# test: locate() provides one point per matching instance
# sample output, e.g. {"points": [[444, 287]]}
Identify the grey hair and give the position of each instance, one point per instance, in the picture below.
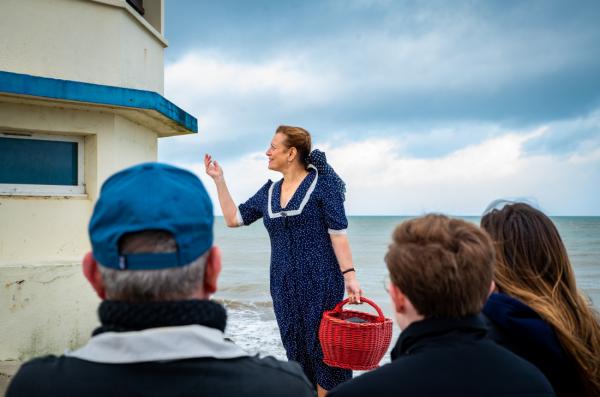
{"points": [[176, 283]]}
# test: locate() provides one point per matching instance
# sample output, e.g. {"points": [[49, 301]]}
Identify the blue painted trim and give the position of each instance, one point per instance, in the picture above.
{"points": [[24, 84]]}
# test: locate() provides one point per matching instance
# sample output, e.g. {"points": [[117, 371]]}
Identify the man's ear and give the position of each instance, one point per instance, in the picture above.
{"points": [[212, 270], [398, 299], [92, 274]]}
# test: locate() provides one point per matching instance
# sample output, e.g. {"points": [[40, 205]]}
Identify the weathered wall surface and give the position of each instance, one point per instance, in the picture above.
{"points": [[82, 40], [46, 307]]}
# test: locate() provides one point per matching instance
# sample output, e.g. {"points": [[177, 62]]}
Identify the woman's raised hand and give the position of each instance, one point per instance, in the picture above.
{"points": [[213, 169]]}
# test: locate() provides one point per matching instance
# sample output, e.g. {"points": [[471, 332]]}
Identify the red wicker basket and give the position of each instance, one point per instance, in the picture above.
{"points": [[352, 339]]}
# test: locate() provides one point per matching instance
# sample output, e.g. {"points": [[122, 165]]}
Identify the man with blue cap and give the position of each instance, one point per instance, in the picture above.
{"points": [[154, 265]]}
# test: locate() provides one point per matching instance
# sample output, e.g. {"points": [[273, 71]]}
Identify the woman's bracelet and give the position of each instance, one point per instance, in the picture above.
{"points": [[349, 270]]}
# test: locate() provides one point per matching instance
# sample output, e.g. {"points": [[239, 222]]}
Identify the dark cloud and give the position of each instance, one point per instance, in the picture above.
{"points": [[255, 28], [402, 69]]}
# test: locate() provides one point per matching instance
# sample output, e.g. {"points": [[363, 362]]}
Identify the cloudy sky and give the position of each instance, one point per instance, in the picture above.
{"points": [[420, 106]]}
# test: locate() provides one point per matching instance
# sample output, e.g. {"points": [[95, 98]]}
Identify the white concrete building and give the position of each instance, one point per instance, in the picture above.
{"points": [[81, 85]]}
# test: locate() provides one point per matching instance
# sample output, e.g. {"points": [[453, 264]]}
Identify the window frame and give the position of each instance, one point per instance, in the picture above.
{"points": [[18, 189]]}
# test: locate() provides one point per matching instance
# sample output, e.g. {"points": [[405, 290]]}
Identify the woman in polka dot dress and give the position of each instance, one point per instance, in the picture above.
{"points": [[311, 262]]}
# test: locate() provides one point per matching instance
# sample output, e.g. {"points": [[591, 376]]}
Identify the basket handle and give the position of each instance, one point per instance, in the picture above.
{"points": [[381, 319]]}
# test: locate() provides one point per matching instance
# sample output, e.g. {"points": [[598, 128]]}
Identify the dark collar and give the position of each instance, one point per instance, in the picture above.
{"points": [[429, 330], [517, 321], [502, 305], [119, 316]]}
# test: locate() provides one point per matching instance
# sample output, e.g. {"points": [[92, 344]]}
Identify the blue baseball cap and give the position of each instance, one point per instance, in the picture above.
{"points": [[152, 196]]}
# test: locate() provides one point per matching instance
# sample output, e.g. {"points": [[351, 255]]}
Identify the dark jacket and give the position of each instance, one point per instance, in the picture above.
{"points": [[247, 376], [518, 328], [449, 357], [159, 349]]}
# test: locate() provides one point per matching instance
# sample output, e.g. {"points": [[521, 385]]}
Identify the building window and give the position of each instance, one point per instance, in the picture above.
{"points": [[137, 5], [37, 164]]}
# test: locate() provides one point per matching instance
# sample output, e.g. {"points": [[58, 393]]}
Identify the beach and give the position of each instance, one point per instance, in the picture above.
{"points": [[244, 283]]}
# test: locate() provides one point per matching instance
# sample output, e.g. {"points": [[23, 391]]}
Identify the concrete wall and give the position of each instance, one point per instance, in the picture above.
{"points": [[46, 308], [102, 42], [45, 303]]}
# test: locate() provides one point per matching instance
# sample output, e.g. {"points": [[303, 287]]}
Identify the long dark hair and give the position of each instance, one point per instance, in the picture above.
{"points": [[532, 265]]}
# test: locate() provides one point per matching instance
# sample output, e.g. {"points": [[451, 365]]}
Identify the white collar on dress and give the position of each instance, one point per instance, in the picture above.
{"points": [[302, 204], [157, 344]]}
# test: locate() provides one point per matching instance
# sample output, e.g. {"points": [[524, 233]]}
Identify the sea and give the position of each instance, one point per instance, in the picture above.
{"points": [[244, 281]]}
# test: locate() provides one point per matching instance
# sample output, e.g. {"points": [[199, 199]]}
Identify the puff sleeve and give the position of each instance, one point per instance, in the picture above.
{"points": [[253, 209], [332, 208]]}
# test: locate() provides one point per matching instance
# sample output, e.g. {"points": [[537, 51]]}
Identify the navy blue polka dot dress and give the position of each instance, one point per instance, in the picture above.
{"points": [[305, 275]]}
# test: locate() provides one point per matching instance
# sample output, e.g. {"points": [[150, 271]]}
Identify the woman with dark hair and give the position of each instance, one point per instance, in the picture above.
{"points": [[537, 311], [311, 262]]}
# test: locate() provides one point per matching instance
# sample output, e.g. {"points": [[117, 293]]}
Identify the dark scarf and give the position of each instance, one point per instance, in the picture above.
{"points": [[319, 160], [119, 316], [436, 330], [521, 323]]}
